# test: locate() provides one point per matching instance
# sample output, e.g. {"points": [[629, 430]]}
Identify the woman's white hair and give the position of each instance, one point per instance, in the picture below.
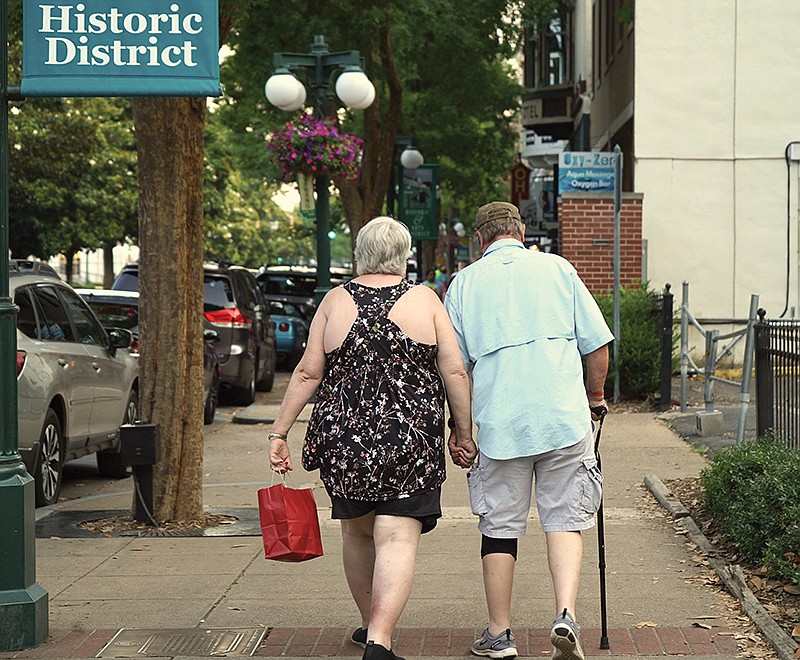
{"points": [[382, 246]]}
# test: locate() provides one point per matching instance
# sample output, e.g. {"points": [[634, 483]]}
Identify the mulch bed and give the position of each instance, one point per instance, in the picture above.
{"points": [[780, 599]]}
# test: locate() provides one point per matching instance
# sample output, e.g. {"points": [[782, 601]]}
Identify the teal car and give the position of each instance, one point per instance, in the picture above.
{"points": [[291, 332]]}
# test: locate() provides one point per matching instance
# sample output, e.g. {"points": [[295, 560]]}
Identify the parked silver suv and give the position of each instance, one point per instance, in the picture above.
{"points": [[77, 383]]}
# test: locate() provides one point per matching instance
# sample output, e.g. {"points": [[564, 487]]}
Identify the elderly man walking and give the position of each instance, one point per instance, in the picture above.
{"points": [[525, 323]]}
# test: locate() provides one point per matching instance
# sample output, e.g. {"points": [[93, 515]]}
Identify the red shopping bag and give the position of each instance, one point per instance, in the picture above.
{"points": [[289, 523]]}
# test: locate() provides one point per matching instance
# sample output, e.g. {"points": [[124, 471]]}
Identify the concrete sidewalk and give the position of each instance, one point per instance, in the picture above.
{"points": [[662, 598]]}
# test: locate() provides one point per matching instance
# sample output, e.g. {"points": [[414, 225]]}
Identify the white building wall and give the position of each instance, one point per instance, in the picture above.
{"points": [[715, 83]]}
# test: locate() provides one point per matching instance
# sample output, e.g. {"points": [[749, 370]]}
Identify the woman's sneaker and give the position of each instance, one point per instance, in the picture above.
{"points": [[359, 637], [565, 636], [502, 646], [375, 651]]}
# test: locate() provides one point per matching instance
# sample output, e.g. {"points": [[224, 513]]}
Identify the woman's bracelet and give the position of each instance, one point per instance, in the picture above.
{"points": [[280, 436]]}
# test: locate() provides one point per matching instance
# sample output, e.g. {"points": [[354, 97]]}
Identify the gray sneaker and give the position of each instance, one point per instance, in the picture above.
{"points": [[565, 636], [502, 646]]}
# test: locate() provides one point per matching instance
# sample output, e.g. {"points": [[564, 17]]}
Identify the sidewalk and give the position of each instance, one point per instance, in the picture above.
{"points": [[198, 596]]}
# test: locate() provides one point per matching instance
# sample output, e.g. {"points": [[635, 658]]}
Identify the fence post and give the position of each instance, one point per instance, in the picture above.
{"points": [[747, 370], [709, 368], [684, 346], [665, 399], [764, 382]]}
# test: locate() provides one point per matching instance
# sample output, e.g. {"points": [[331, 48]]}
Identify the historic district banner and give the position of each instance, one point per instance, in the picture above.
{"points": [[417, 208], [120, 48]]}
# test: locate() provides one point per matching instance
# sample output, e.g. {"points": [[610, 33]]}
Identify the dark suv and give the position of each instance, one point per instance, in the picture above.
{"points": [[234, 306], [296, 284]]}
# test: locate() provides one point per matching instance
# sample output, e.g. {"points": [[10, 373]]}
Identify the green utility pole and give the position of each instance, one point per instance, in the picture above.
{"points": [[319, 66], [23, 603]]}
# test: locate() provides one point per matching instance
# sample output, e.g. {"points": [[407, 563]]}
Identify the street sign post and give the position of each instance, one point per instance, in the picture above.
{"points": [[92, 48]]}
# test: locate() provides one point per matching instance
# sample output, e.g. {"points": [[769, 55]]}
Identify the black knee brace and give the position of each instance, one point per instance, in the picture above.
{"points": [[490, 546]]}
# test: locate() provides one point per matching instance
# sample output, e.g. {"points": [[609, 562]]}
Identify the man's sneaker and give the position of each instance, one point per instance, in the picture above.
{"points": [[502, 646], [359, 637], [565, 636]]}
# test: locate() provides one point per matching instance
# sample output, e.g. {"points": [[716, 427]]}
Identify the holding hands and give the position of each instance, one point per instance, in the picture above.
{"points": [[462, 451]]}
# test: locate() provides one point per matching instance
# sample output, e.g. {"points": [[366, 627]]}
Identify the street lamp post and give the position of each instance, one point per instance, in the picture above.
{"points": [[320, 67], [23, 602]]}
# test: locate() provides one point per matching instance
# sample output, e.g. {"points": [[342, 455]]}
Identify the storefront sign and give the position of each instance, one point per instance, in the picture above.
{"points": [[585, 171], [120, 48]]}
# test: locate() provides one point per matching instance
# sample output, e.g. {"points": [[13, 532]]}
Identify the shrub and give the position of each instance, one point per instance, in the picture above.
{"points": [[752, 491], [640, 343]]}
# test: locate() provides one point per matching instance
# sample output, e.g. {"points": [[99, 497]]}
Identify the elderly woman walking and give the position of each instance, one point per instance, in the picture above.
{"points": [[381, 355]]}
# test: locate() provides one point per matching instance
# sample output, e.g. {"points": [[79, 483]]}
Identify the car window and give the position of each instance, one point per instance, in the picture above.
{"points": [[243, 295], [276, 307], [87, 328], [26, 318], [55, 325], [292, 310], [127, 281], [217, 294], [288, 285], [252, 287], [116, 315]]}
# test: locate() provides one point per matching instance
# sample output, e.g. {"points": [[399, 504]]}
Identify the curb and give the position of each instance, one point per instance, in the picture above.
{"points": [[731, 575]]}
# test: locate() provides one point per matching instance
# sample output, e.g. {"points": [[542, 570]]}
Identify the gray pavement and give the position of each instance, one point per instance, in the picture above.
{"points": [[662, 598]]}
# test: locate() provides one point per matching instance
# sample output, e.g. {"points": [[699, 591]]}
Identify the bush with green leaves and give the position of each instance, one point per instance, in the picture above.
{"points": [[752, 492], [640, 342]]}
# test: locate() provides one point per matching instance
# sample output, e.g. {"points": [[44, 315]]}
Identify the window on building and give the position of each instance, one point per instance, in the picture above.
{"points": [[548, 57]]}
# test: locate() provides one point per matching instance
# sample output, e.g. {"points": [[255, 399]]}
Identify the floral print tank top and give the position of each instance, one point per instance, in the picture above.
{"points": [[377, 429]]}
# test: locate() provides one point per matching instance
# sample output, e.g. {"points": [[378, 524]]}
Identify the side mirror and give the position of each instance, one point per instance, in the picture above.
{"points": [[120, 338], [210, 335]]}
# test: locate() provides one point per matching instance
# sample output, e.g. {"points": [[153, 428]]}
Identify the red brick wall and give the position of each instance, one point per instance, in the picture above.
{"points": [[586, 238]]}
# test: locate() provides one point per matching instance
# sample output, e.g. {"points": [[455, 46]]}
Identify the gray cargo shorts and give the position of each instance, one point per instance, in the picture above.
{"points": [[568, 491]]}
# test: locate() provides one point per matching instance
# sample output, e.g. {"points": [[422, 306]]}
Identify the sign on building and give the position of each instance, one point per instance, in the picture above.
{"points": [[417, 208], [585, 171], [120, 48]]}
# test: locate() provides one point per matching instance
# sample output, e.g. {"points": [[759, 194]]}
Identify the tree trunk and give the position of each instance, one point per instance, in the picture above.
{"points": [[170, 142], [69, 265], [362, 201], [108, 264]]}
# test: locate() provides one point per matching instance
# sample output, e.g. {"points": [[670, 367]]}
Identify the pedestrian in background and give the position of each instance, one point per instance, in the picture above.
{"points": [[381, 356], [524, 320], [431, 282]]}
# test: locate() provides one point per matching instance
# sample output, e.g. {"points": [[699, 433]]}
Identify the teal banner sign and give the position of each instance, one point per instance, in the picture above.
{"points": [[120, 48], [418, 202], [585, 171]]}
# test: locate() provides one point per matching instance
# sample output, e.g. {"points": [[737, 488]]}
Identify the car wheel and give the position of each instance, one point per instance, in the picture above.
{"points": [[50, 468], [244, 396], [210, 409], [109, 461]]}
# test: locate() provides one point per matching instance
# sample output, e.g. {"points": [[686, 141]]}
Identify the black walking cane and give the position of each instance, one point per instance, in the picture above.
{"points": [[601, 412]]}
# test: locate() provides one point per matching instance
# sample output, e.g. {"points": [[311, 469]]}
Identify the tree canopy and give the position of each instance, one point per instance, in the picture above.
{"points": [[443, 74]]}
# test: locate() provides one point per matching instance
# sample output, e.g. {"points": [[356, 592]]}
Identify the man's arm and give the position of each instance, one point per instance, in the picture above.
{"points": [[596, 372]]}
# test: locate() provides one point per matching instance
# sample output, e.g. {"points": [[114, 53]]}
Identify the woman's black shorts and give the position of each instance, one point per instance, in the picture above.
{"points": [[425, 507]]}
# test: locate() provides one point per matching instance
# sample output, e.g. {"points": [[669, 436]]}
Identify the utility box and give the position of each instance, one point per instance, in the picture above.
{"points": [[138, 444], [710, 423]]}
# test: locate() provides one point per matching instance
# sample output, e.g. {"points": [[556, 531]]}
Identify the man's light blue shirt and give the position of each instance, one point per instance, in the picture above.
{"points": [[523, 320]]}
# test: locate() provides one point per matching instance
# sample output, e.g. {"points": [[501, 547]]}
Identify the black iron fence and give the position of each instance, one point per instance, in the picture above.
{"points": [[662, 307], [777, 366]]}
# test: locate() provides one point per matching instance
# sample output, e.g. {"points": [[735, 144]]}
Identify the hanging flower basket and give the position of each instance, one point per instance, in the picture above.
{"points": [[315, 147]]}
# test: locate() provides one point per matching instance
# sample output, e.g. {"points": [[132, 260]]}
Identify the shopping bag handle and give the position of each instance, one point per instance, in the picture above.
{"points": [[283, 478]]}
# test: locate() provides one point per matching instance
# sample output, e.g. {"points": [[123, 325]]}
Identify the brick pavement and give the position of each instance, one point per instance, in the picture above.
{"points": [[428, 642]]}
